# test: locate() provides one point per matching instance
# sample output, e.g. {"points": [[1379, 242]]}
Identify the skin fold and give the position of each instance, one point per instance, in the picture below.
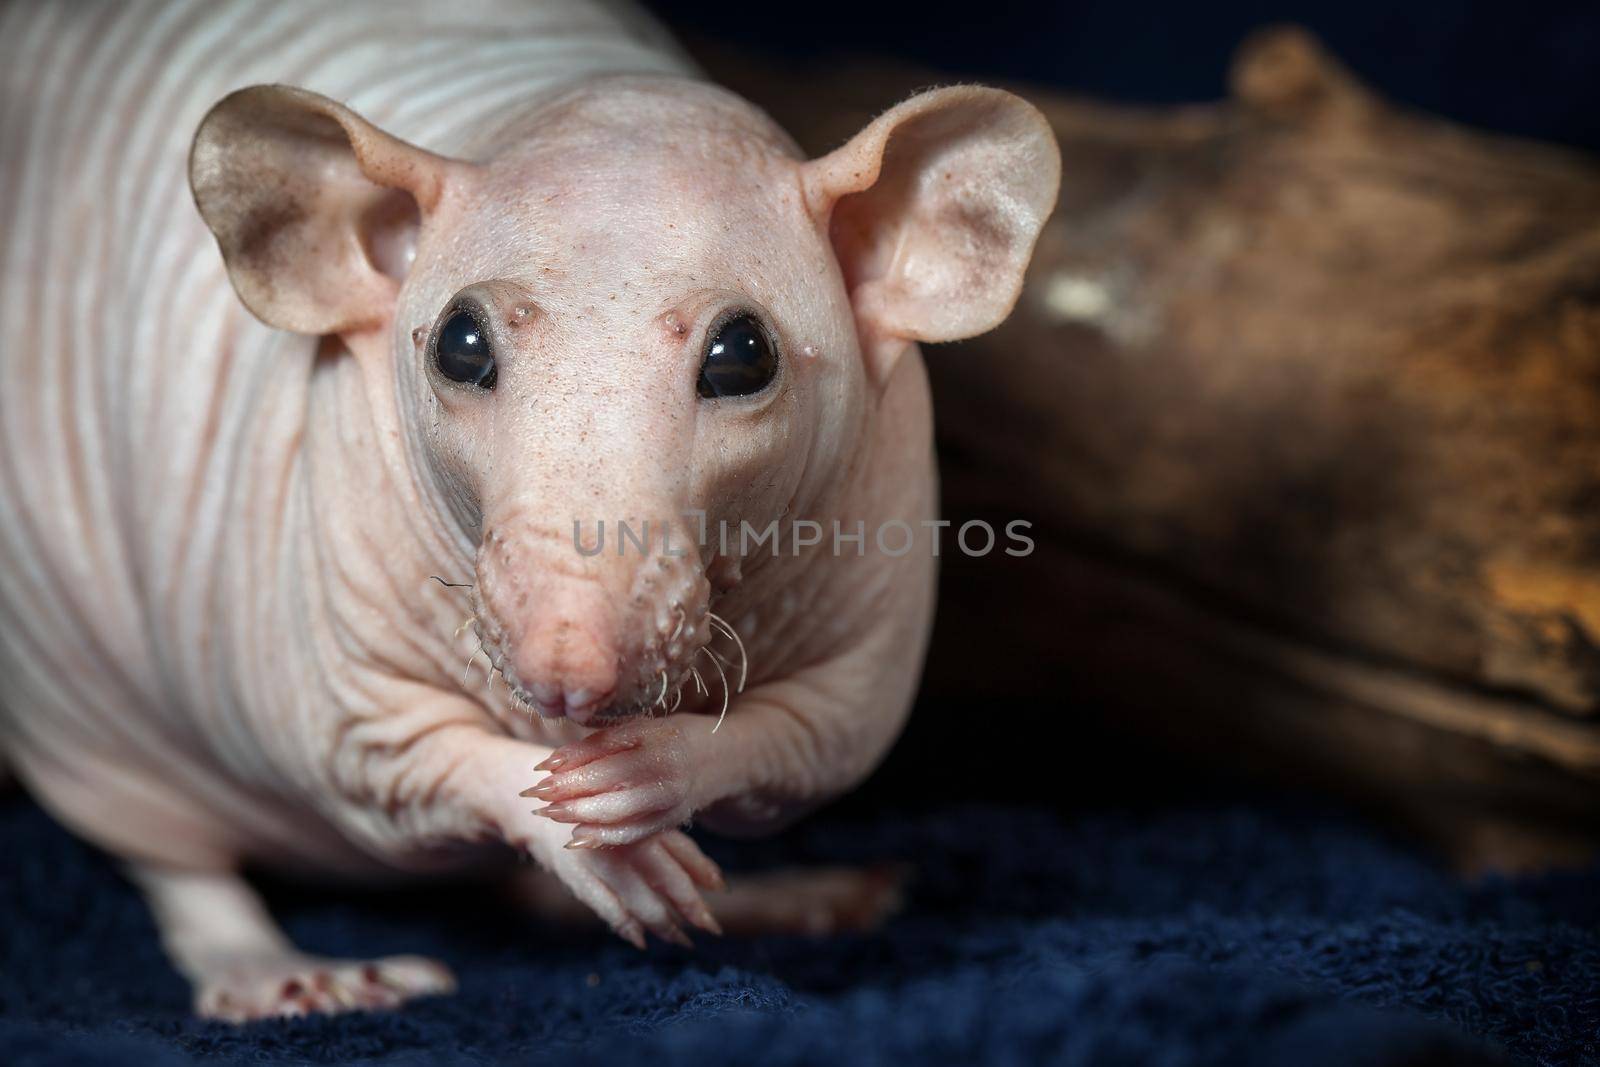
{"points": [[302, 531]]}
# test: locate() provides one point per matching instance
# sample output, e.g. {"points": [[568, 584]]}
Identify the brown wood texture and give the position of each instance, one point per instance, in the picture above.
{"points": [[1303, 397]]}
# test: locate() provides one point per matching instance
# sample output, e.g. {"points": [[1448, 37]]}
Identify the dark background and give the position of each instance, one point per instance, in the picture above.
{"points": [[1531, 69]]}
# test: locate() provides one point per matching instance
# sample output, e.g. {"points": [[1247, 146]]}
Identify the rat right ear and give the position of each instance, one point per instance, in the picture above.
{"points": [[933, 211], [315, 209]]}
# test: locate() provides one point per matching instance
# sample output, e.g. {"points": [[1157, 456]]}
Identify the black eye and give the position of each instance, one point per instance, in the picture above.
{"points": [[462, 351], [739, 360]]}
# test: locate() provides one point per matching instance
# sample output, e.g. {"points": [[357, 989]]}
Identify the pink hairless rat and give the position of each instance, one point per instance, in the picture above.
{"points": [[507, 274]]}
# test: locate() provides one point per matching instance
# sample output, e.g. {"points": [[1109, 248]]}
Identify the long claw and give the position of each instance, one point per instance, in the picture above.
{"points": [[598, 744], [541, 791], [700, 915], [591, 780], [632, 933], [702, 868], [673, 934], [556, 813]]}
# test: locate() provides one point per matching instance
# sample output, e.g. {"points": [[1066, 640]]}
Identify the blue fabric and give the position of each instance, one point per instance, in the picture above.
{"points": [[1225, 935]]}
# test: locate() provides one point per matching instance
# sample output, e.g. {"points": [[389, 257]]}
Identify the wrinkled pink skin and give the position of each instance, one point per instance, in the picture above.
{"points": [[333, 730]]}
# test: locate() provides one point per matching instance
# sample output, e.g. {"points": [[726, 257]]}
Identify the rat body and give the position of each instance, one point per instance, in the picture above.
{"points": [[531, 276]]}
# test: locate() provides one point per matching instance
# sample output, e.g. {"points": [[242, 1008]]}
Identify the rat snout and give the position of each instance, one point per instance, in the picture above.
{"points": [[550, 617], [587, 635]]}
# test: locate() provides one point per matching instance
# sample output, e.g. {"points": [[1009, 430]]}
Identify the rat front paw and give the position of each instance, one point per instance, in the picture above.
{"points": [[654, 885], [621, 785]]}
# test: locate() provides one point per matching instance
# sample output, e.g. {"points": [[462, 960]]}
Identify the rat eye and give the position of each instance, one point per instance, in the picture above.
{"points": [[739, 360], [461, 351]]}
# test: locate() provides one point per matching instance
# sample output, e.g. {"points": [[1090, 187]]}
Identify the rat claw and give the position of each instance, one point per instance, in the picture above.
{"points": [[673, 934], [556, 813], [632, 933], [597, 745], [541, 791], [702, 868], [700, 915], [586, 836]]}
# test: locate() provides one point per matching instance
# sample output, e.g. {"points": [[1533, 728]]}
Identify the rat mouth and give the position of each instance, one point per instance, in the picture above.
{"points": [[552, 702], [546, 701]]}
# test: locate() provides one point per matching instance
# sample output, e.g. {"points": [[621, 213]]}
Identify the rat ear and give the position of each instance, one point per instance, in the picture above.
{"points": [[315, 209], [933, 211]]}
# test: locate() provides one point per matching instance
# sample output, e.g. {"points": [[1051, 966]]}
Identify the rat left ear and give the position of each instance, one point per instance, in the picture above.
{"points": [[933, 211], [315, 209]]}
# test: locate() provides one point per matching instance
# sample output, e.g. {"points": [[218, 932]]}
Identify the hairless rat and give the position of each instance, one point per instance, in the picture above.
{"points": [[505, 278]]}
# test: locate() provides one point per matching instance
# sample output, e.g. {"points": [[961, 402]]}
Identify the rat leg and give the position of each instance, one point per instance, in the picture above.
{"points": [[219, 935], [816, 901]]}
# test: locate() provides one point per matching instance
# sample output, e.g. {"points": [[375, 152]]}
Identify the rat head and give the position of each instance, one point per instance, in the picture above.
{"points": [[635, 306]]}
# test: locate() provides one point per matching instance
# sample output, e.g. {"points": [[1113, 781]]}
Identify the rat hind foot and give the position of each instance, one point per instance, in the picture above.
{"points": [[255, 987], [218, 933], [815, 901]]}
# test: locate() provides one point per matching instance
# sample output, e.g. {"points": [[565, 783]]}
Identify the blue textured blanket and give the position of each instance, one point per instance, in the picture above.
{"points": [[1223, 935]]}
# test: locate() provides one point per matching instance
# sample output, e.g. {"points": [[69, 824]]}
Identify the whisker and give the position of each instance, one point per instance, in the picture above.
{"points": [[699, 682], [468, 672], [744, 657], [451, 585], [725, 693], [677, 698], [468, 622], [662, 697], [519, 704], [682, 618]]}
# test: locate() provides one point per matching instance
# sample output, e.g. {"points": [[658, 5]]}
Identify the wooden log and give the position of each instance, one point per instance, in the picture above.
{"points": [[1303, 396]]}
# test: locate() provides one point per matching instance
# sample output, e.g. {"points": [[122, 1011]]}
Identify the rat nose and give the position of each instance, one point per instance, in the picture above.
{"points": [[567, 668]]}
